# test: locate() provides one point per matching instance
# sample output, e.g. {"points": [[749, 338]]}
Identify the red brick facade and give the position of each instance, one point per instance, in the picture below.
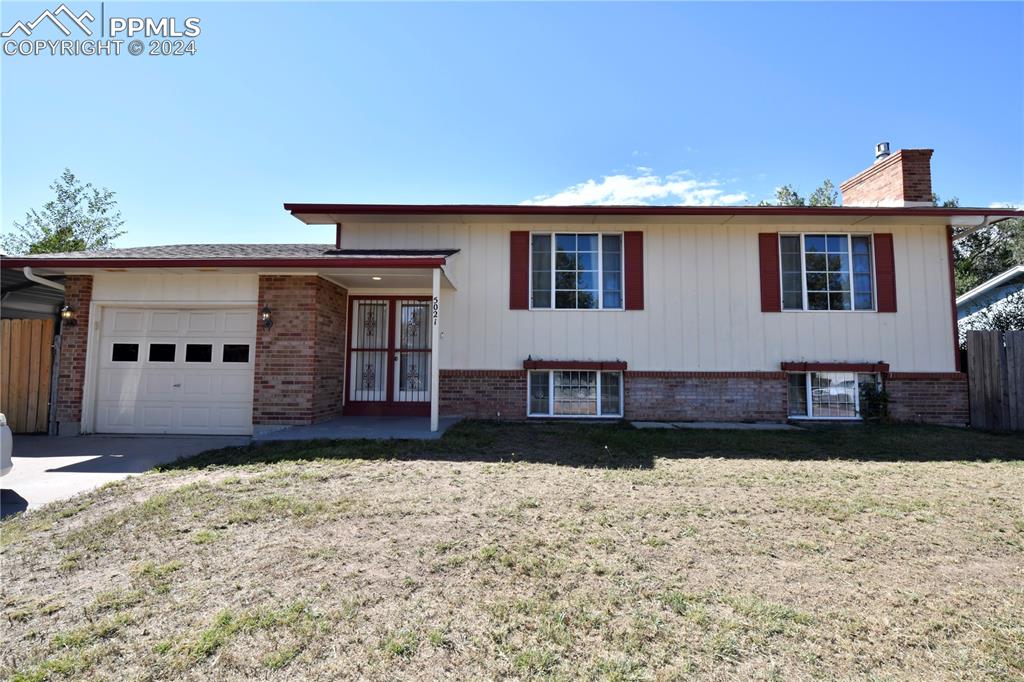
{"points": [[703, 396], [905, 176], [938, 398], [300, 359], [483, 393], [706, 396], [73, 339]]}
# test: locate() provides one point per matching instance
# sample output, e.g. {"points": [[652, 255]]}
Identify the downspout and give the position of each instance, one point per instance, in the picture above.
{"points": [[53, 425], [30, 276]]}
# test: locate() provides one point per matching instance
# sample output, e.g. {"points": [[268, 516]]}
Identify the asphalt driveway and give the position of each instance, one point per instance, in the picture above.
{"points": [[48, 468]]}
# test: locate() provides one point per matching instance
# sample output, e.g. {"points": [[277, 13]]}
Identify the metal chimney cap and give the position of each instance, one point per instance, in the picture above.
{"points": [[881, 151]]}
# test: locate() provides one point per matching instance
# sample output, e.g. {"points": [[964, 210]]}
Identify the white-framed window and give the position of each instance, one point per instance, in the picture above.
{"points": [[827, 271], [828, 395], [574, 393], [576, 271]]}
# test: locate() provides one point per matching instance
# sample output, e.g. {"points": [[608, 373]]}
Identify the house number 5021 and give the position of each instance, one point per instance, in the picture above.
{"points": [[435, 308]]}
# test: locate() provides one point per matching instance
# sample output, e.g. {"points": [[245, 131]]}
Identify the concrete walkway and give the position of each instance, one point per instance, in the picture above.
{"points": [[48, 469], [373, 428]]}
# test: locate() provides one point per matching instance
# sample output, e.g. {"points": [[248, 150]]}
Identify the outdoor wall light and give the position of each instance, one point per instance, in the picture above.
{"points": [[375, 278], [67, 315], [265, 316]]}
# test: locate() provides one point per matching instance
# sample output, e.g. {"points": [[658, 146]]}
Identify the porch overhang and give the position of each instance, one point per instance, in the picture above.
{"points": [[351, 268]]}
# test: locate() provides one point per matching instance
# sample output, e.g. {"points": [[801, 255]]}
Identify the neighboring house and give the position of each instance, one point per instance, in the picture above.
{"points": [[988, 297], [666, 312]]}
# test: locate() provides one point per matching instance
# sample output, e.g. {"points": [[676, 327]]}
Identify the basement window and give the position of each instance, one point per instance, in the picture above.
{"points": [[572, 393], [828, 395]]}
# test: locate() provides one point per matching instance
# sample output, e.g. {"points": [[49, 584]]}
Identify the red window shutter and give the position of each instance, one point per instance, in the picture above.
{"points": [[885, 273], [633, 259], [519, 271], [771, 283]]}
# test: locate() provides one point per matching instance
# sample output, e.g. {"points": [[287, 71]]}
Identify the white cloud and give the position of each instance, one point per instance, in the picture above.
{"points": [[1005, 204], [642, 188]]}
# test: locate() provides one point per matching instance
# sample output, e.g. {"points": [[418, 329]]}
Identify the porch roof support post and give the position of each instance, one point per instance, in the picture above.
{"points": [[435, 339]]}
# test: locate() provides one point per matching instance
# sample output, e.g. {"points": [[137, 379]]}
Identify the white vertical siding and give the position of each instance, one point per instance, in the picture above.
{"points": [[702, 308]]}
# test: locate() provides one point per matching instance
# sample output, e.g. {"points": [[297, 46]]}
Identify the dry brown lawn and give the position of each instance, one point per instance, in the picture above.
{"points": [[591, 552]]}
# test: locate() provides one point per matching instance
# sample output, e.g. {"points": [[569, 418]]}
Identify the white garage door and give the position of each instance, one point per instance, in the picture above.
{"points": [[176, 371]]}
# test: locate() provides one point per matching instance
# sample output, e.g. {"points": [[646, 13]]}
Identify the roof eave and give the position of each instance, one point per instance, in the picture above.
{"points": [[300, 210], [86, 263]]}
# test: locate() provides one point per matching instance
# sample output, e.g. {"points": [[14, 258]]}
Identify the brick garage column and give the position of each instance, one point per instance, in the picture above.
{"points": [[299, 372], [331, 317], [73, 348]]}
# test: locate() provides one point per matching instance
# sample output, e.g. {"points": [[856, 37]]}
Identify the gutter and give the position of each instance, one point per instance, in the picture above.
{"points": [[319, 262], [986, 221], [32, 277]]}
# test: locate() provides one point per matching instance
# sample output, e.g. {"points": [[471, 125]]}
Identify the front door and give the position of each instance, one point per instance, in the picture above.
{"points": [[389, 356]]}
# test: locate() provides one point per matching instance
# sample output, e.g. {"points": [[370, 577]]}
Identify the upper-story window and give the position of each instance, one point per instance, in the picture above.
{"points": [[827, 272], [576, 271]]}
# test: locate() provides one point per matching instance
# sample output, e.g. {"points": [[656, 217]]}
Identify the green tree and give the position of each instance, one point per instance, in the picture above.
{"points": [[79, 218], [826, 195], [787, 195], [982, 255]]}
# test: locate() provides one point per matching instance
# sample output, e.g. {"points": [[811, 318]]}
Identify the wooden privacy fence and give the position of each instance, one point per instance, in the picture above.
{"points": [[995, 365], [26, 359]]}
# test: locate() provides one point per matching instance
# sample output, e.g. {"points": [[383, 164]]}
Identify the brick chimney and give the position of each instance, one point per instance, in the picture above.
{"points": [[900, 179]]}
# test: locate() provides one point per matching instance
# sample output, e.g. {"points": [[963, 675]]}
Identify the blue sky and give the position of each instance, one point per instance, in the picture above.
{"points": [[504, 103]]}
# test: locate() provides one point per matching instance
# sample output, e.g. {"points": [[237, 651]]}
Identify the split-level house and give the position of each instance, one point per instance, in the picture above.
{"points": [[522, 312]]}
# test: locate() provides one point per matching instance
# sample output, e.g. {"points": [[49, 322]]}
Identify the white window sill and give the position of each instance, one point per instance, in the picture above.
{"points": [[797, 310], [824, 419], [574, 416], [580, 310]]}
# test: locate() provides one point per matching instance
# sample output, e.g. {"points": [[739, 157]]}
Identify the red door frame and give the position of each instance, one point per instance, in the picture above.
{"points": [[388, 407]]}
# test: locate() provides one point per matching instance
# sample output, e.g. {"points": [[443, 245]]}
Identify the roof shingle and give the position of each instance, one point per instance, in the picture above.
{"points": [[244, 251]]}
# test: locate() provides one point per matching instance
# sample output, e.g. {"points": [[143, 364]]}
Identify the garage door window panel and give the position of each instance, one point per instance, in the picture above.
{"points": [[199, 352], [236, 352], [162, 352], [125, 352]]}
